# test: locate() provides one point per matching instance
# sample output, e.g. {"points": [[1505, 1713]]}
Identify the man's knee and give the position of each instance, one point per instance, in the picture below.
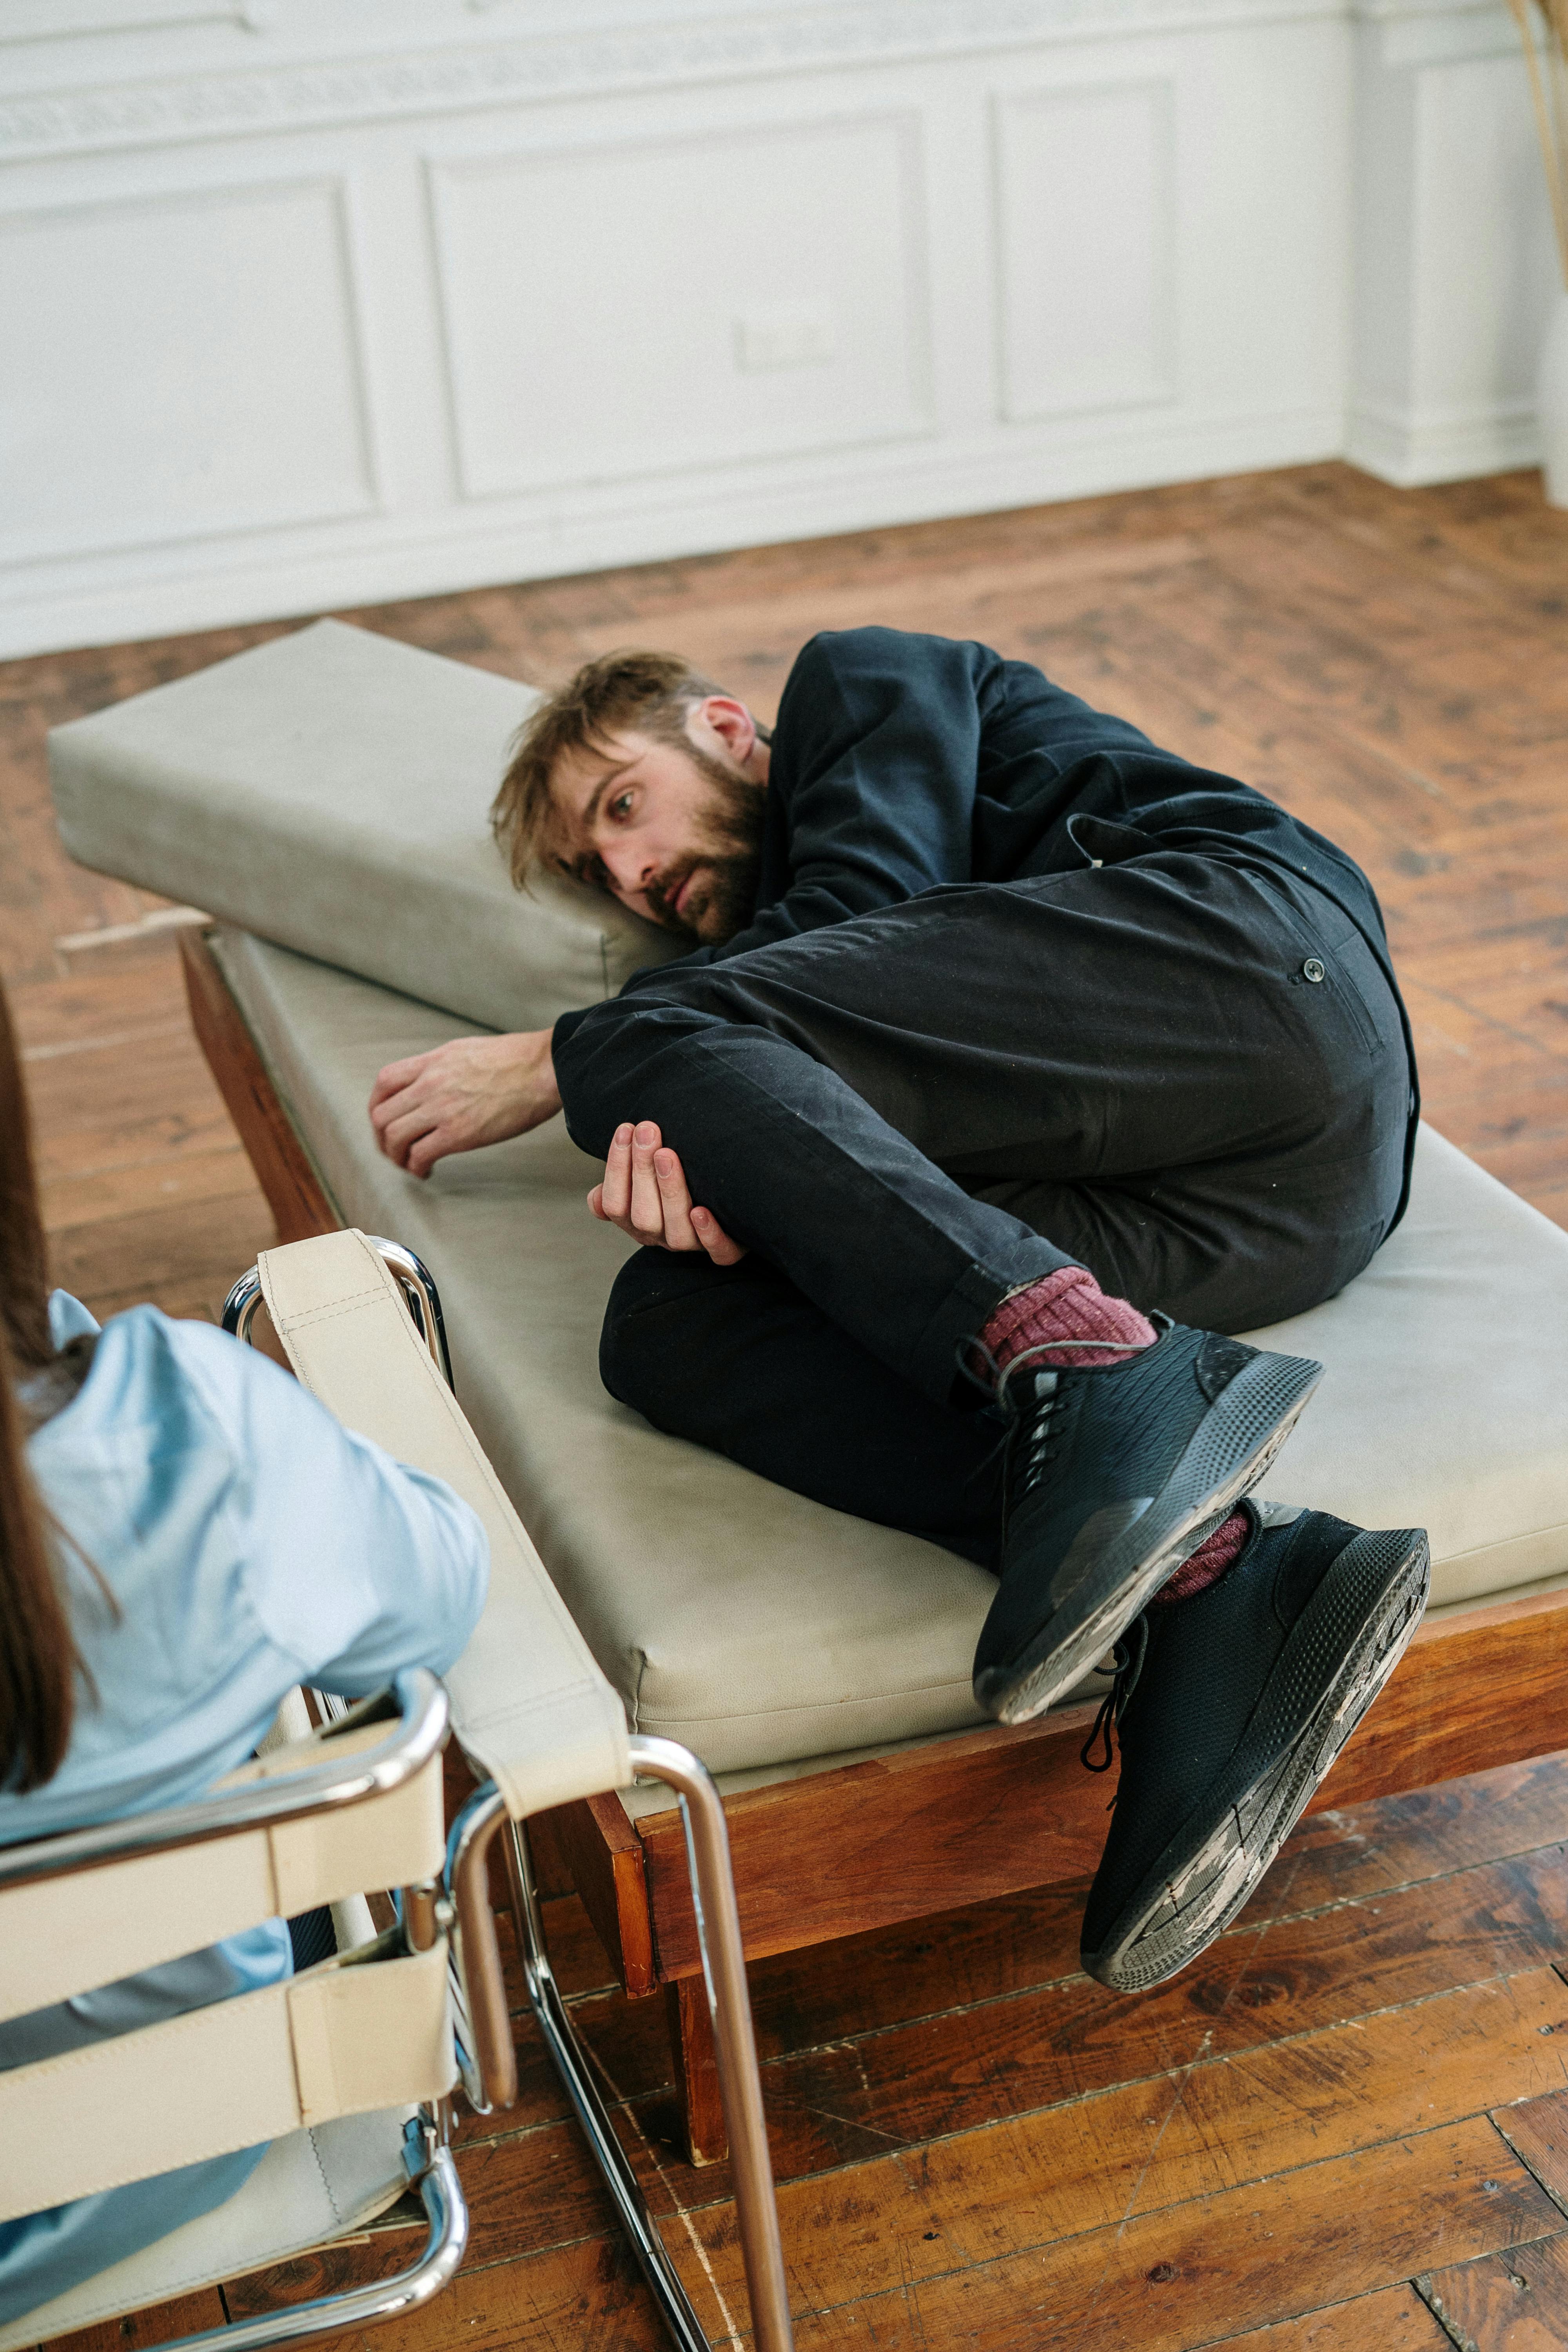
{"points": [[657, 1336]]}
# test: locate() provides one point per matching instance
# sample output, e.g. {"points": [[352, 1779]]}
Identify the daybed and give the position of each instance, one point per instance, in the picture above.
{"points": [[325, 796]]}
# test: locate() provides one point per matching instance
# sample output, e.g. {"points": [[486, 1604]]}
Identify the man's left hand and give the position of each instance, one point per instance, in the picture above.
{"points": [[645, 1192], [468, 1092]]}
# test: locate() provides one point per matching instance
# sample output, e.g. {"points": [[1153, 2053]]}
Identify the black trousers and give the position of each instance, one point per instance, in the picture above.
{"points": [[1186, 1073]]}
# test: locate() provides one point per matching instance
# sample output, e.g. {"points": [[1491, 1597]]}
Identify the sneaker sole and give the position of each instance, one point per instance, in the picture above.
{"points": [[1204, 1877], [1232, 1448]]}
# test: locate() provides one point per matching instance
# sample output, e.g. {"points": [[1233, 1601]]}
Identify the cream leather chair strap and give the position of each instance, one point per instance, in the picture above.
{"points": [[336, 2041], [62, 1936], [529, 1701]]}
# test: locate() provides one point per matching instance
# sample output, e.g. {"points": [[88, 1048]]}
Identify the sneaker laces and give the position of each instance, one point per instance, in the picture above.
{"points": [[1040, 1412], [1000, 1374], [1042, 1409], [1127, 1664]]}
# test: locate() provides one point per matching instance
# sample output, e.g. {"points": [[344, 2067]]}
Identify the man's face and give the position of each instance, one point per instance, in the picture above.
{"points": [[672, 830]]}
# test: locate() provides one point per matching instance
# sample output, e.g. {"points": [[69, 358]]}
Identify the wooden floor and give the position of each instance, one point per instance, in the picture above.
{"points": [[1347, 2127]]}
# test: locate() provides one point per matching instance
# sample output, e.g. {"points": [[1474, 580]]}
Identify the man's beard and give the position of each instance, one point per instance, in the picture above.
{"points": [[729, 851]]}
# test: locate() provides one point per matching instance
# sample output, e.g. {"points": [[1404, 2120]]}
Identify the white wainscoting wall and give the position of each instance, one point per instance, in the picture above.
{"points": [[311, 303]]}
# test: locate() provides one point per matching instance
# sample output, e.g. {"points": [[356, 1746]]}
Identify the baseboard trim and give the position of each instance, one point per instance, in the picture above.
{"points": [[1452, 446], [170, 590]]}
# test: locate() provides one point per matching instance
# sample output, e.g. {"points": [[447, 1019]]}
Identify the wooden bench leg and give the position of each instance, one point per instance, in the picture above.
{"points": [[696, 2070]]}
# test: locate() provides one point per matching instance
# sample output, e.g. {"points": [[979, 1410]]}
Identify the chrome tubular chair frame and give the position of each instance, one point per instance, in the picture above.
{"points": [[420, 1730], [419, 1702], [491, 2068], [724, 1971], [419, 1293], [427, 2159]]}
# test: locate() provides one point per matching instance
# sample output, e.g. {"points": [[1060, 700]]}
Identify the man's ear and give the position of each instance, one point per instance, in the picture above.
{"points": [[730, 720]]}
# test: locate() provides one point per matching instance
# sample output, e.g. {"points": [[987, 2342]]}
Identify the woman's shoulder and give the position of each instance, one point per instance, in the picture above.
{"points": [[183, 1375]]}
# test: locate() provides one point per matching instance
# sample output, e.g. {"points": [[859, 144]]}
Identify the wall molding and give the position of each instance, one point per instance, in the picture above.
{"points": [[159, 112], [1452, 445], [747, 507], [443, 175], [135, 540], [1242, 365], [1439, 32], [57, 20], [1009, 115]]}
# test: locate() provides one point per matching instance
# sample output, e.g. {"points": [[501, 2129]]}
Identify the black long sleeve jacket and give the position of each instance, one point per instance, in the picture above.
{"points": [[903, 762]]}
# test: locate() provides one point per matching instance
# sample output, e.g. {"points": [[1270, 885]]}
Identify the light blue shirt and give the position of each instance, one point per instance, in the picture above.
{"points": [[249, 1542]]}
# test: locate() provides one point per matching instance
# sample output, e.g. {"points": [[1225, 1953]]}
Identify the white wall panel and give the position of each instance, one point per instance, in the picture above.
{"points": [[1456, 268], [311, 302], [1490, 267], [1086, 244], [181, 366], [636, 309]]}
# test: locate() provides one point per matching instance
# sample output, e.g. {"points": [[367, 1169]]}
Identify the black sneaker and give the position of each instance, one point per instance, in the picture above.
{"points": [[1232, 1707], [1113, 1474]]}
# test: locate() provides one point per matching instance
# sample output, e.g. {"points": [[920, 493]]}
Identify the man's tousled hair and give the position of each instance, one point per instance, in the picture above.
{"points": [[653, 693]]}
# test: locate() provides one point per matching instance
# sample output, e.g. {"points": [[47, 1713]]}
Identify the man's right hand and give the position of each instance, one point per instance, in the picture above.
{"points": [[473, 1091]]}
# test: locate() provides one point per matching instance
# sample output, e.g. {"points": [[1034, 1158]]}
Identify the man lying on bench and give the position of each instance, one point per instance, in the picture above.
{"points": [[1015, 1061]]}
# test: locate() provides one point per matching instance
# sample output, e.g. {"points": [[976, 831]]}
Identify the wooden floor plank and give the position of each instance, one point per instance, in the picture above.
{"points": [[990, 2044], [106, 995], [198, 1296], [207, 1238], [1205, 2129], [993, 1951], [963, 2065], [1537, 2131], [1297, 1975], [952, 2071], [1395, 2320], [1362, 1850], [1021, 1943], [118, 1106], [107, 1193], [158, 2324], [1516, 2302], [1192, 2275], [1079, 2166], [1184, 2277], [588, 2297], [1250, 2115]]}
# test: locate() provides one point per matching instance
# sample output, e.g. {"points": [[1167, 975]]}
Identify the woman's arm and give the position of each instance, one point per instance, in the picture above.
{"points": [[355, 1564]]}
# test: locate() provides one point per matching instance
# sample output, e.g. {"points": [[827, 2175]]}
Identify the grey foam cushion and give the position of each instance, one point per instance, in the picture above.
{"points": [[331, 790], [761, 1628]]}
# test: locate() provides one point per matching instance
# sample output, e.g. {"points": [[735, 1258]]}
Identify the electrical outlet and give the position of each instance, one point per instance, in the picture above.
{"points": [[783, 339]]}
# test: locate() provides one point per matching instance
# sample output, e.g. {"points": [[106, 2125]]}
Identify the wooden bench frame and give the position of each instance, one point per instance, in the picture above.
{"points": [[929, 1828]]}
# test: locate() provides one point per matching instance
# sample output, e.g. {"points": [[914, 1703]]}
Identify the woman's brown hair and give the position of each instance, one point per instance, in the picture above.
{"points": [[38, 1655]]}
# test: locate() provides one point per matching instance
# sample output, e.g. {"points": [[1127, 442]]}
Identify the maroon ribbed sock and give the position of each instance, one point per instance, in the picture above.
{"points": [[1208, 1563], [1067, 1304]]}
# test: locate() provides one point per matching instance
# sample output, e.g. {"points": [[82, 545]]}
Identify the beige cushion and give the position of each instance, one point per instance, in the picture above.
{"points": [[310, 2186], [332, 790], [761, 1628]]}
